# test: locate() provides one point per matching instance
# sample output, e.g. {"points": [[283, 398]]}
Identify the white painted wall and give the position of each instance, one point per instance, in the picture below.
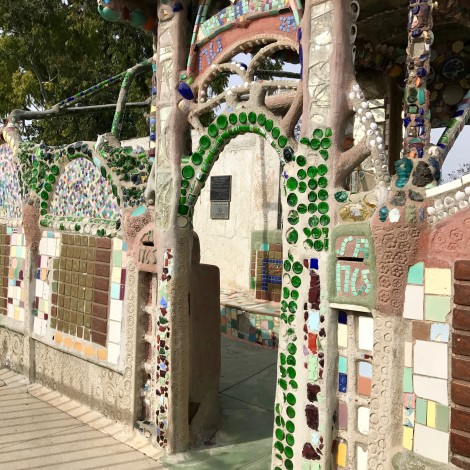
{"points": [[254, 167]]}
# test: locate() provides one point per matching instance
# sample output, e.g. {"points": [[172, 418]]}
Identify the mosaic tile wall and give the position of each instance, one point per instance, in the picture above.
{"points": [[16, 271], [266, 271], [355, 344], [76, 193], [460, 385], [249, 326], [425, 374], [10, 194], [237, 12], [80, 286], [4, 265]]}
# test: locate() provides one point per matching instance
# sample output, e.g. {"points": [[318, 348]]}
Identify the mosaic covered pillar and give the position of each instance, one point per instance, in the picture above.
{"points": [[172, 321]]}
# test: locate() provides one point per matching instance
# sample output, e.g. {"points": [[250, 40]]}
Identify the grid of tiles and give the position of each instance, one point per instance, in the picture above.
{"points": [[355, 343], [16, 270], [80, 288], [425, 373], [266, 271], [4, 265], [249, 326], [48, 249]]}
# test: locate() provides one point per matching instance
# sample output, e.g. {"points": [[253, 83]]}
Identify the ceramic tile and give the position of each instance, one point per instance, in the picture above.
{"points": [[414, 302], [431, 443], [408, 417], [408, 354], [421, 410], [363, 415], [431, 414], [361, 458], [341, 456], [442, 418], [366, 333], [408, 438], [342, 335], [408, 379], [437, 281], [440, 332], [431, 388], [430, 358], [416, 274], [436, 308]]}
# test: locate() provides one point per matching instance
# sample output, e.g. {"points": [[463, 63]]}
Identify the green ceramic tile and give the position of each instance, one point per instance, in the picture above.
{"points": [[117, 258], [407, 380], [436, 307], [343, 364], [442, 418], [421, 406], [416, 274]]}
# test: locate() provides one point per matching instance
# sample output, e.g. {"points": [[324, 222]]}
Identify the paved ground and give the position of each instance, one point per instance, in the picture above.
{"points": [[247, 388], [36, 435]]}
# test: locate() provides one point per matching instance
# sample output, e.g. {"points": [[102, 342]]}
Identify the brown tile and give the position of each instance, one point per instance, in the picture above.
{"points": [[459, 462], [100, 297], [86, 334], [102, 270], [461, 368], [103, 243], [84, 241], [101, 283], [462, 294], [90, 269], [460, 443], [460, 392], [100, 310], [99, 325], [462, 270], [421, 330], [92, 241], [461, 344], [98, 338], [460, 419], [54, 311], [461, 319], [103, 255]]}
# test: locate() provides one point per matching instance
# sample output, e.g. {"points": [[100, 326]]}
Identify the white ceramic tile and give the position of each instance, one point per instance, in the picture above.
{"points": [[408, 354], [430, 358], [43, 246], [431, 388], [51, 245], [361, 458], [342, 335], [437, 281], [116, 275], [117, 244], [366, 333], [431, 443], [414, 302], [39, 287], [113, 353], [114, 333], [363, 415], [115, 310]]}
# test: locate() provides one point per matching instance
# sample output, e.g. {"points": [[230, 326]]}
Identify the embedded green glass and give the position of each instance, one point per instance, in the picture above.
{"points": [[291, 184], [261, 119], [301, 174], [322, 182], [312, 196], [269, 125], [232, 118], [292, 236], [313, 221], [297, 267], [322, 169], [289, 453], [323, 207], [290, 426], [213, 130], [323, 194], [292, 199], [188, 172], [290, 438], [205, 142], [325, 219], [293, 217], [302, 208], [301, 160], [291, 399], [242, 118], [312, 183], [196, 158], [316, 232], [282, 141], [318, 133], [302, 187], [312, 207], [318, 245], [326, 143], [276, 132], [252, 117], [287, 265], [315, 144], [279, 434]]}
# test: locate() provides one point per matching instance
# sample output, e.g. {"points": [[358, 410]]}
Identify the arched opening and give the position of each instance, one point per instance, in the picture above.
{"points": [[237, 219]]}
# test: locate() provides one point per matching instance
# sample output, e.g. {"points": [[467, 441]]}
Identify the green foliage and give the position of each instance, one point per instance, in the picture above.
{"points": [[52, 49]]}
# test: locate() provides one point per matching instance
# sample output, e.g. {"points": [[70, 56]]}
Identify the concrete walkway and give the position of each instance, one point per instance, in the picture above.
{"points": [[37, 435], [247, 389]]}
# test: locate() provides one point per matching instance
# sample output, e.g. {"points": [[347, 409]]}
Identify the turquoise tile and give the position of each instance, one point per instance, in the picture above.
{"points": [[407, 380], [440, 332], [115, 290], [416, 274], [343, 364]]}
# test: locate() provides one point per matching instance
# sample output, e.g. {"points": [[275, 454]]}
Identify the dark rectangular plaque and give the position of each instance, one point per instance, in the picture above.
{"points": [[220, 210], [221, 188]]}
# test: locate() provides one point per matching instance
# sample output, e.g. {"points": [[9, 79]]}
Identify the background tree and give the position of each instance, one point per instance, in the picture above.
{"points": [[51, 49]]}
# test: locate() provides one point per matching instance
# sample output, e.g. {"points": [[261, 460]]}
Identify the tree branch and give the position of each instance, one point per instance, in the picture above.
{"points": [[350, 160]]}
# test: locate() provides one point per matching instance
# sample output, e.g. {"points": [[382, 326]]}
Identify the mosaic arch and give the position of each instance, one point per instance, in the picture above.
{"points": [[306, 233], [10, 191]]}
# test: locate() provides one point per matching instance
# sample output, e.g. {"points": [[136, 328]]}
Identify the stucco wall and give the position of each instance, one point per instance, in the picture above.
{"points": [[254, 167]]}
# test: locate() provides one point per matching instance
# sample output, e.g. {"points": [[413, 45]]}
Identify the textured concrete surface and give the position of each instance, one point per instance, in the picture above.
{"points": [[36, 435], [247, 388], [41, 429]]}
